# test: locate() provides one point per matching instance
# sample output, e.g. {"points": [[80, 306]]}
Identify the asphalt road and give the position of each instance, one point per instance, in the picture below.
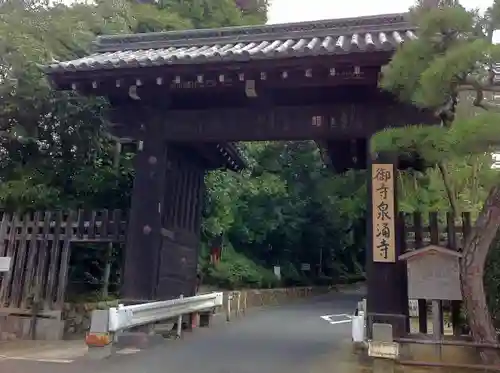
{"points": [[291, 338]]}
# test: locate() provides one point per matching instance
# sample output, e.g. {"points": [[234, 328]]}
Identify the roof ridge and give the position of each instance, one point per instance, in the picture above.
{"points": [[387, 22]]}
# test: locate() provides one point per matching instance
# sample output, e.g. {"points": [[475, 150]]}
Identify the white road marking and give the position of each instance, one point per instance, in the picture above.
{"points": [[128, 351], [37, 358], [344, 318], [340, 322], [57, 361]]}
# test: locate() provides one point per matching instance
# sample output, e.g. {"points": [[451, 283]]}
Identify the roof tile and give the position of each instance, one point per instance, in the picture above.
{"points": [[333, 37]]}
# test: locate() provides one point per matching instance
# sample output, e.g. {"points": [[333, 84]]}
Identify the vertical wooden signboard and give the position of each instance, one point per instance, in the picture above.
{"points": [[383, 213]]}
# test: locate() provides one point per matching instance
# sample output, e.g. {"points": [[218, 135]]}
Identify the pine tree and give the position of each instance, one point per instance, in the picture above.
{"points": [[452, 62]]}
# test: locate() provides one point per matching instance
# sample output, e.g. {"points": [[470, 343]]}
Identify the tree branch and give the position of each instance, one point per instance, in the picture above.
{"points": [[448, 188], [474, 85]]}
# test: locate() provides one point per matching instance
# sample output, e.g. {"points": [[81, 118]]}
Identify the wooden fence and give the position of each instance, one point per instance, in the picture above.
{"points": [[421, 230], [39, 245]]}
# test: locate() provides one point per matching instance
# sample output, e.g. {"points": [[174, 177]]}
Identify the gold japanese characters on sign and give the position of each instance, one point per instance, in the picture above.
{"points": [[383, 213]]}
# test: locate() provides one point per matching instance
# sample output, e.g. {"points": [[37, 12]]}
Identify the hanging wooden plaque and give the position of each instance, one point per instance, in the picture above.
{"points": [[383, 213]]}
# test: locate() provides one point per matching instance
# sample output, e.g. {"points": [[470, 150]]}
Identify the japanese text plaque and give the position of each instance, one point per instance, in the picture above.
{"points": [[383, 213]]}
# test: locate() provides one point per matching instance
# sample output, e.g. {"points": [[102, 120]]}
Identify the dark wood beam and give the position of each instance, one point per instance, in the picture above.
{"points": [[66, 79], [334, 121], [147, 87]]}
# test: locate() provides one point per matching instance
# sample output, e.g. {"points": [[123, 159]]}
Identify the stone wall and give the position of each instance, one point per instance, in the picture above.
{"points": [[252, 298], [439, 354]]}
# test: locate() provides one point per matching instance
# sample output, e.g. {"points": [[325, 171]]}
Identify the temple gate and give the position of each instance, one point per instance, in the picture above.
{"points": [[185, 96]]}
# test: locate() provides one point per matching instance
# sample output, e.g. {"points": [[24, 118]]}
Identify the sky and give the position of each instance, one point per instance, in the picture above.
{"points": [[282, 11]]}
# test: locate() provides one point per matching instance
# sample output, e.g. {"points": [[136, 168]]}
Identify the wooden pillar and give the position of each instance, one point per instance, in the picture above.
{"points": [[144, 228], [387, 298], [456, 305], [419, 243]]}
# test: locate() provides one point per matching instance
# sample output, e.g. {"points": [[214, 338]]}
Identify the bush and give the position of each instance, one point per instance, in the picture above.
{"points": [[291, 276], [236, 271]]}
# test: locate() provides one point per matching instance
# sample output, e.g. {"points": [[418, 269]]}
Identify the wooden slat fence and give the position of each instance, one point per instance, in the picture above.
{"points": [[434, 228], [39, 244]]}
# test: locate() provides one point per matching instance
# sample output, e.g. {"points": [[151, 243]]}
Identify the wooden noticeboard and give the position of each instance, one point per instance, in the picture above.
{"points": [[5, 263], [383, 213], [433, 273]]}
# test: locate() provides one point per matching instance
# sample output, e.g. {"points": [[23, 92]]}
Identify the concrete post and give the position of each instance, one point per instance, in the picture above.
{"points": [[383, 349], [228, 306], [99, 340]]}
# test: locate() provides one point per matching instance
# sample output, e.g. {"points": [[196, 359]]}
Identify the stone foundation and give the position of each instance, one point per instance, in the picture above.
{"points": [[441, 353], [19, 327]]}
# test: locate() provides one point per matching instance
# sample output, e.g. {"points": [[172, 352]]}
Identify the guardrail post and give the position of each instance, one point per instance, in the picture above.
{"points": [[244, 307], [238, 303], [195, 320], [205, 318], [228, 305], [179, 323], [99, 340]]}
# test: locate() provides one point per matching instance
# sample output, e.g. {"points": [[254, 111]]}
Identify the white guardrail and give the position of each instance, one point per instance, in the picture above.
{"points": [[126, 317], [106, 324]]}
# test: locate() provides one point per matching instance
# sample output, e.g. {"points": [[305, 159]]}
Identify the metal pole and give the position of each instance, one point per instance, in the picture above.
{"points": [[228, 305], [179, 322]]}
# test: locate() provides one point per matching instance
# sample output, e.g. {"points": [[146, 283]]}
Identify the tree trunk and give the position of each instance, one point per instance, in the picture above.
{"points": [[475, 252]]}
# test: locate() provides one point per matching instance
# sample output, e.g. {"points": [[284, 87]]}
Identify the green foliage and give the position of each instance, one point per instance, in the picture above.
{"points": [[471, 179], [238, 271], [288, 208], [477, 134], [217, 13], [450, 55], [430, 72]]}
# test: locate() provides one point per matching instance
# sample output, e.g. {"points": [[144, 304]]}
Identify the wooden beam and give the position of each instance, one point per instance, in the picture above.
{"points": [[335, 121], [130, 75]]}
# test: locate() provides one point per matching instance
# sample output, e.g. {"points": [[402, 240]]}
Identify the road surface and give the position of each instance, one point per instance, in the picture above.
{"points": [[292, 338]]}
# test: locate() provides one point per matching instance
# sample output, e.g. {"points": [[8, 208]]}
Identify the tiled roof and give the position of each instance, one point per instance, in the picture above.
{"points": [[341, 36]]}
